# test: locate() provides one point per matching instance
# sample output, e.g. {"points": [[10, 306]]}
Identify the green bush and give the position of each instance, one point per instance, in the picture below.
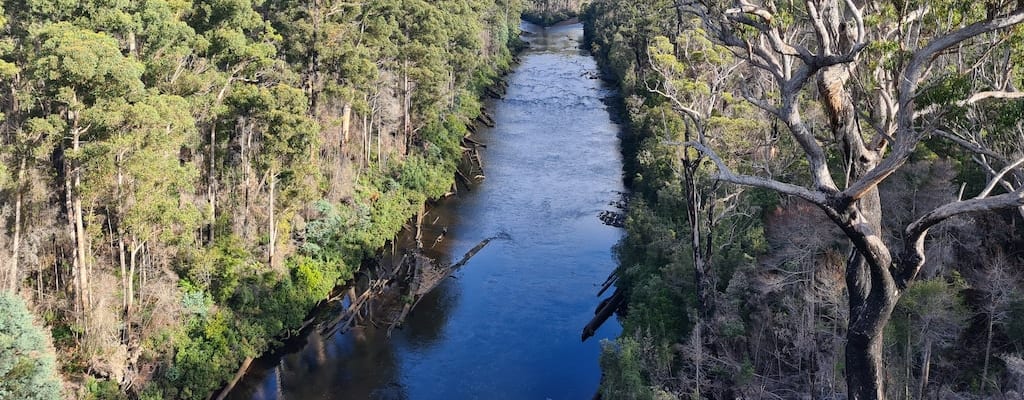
{"points": [[26, 358], [624, 371]]}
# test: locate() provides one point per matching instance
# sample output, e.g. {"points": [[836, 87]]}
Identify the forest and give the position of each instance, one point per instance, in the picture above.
{"points": [[183, 181], [827, 198]]}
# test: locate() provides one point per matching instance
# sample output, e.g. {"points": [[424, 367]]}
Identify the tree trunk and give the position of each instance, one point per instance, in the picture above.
{"points": [[872, 293], [13, 283], [130, 295], [926, 362], [211, 188], [272, 225], [406, 108], [124, 286], [380, 155], [366, 144], [346, 123], [78, 225], [988, 351], [246, 150], [75, 269], [864, 366], [419, 227], [119, 193]]}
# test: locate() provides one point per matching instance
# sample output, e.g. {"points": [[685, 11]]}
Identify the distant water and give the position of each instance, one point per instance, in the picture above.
{"points": [[508, 325]]}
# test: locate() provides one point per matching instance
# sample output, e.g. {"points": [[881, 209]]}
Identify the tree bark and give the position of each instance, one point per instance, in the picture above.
{"points": [[211, 188], [272, 224], [406, 108], [346, 123], [121, 249], [988, 351], [926, 362], [78, 225], [864, 366], [13, 283], [130, 295]]}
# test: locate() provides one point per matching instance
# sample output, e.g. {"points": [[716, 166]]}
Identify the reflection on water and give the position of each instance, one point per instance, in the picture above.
{"points": [[507, 326]]}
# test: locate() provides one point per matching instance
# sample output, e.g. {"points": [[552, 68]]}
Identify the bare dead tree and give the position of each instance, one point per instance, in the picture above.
{"points": [[825, 44]]}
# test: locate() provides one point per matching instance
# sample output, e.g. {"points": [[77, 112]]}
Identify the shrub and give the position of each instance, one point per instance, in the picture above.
{"points": [[26, 356]]}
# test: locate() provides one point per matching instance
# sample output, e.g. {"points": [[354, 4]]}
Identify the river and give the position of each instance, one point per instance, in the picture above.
{"points": [[507, 325]]}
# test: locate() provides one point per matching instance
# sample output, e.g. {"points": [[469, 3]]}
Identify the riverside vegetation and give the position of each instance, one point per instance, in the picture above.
{"points": [[181, 182], [826, 198]]}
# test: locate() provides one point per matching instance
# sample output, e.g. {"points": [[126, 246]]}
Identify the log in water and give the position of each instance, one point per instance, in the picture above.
{"points": [[507, 326]]}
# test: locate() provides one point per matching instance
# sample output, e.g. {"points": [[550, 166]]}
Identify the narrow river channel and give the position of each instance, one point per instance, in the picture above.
{"points": [[507, 325]]}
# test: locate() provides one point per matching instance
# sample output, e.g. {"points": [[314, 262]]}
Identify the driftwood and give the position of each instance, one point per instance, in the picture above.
{"points": [[608, 283], [234, 381], [464, 178], [485, 119], [474, 142], [429, 275], [604, 311]]}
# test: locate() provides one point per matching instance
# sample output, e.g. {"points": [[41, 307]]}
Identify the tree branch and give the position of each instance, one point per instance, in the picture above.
{"points": [[998, 178], [990, 95], [913, 251], [726, 174], [908, 137], [923, 57]]}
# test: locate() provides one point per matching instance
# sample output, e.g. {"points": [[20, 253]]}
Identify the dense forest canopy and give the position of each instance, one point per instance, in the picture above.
{"points": [[827, 197], [182, 181]]}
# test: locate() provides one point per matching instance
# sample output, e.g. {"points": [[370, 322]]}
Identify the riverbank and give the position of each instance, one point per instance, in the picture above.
{"points": [[380, 285]]}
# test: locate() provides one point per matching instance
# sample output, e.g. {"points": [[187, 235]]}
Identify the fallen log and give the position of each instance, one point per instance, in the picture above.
{"points": [[421, 287], [234, 381], [608, 283], [604, 311], [474, 142], [464, 178]]}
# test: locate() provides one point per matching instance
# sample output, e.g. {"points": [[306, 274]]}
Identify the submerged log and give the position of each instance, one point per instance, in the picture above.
{"points": [[474, 142], [430, 275], [485, 118], [604, 311], [608, 284]]}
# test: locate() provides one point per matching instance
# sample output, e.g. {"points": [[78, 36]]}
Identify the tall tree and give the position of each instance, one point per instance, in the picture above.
{"points": [[80, 69], [134, 172], [765, 34], [235, 38]]}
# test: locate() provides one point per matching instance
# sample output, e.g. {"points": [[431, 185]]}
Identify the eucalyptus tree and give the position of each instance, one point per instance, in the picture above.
{"points": [[823, 49], [282, 139], [81, 70], [696, 76], [134, 172], [233, 38]]}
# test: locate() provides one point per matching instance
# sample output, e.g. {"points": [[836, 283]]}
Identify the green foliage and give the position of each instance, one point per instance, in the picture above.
{"points": [[204, 355], [26, 357], [82, 65], [103, 390], [624, 377], [254, 307]]}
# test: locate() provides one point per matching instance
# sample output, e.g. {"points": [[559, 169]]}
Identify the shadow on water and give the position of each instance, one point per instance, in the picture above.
{"points": [[506, 326]]}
